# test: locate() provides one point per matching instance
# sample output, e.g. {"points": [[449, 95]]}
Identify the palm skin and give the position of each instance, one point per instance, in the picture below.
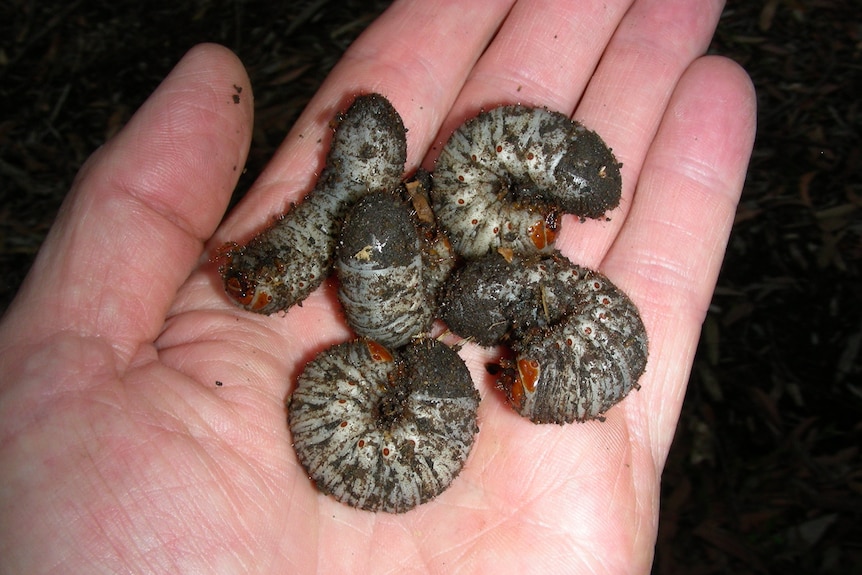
{"points": [[120, 451]]}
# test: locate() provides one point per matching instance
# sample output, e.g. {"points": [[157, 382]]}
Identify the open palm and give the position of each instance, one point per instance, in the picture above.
{"points": [[142, 420]]}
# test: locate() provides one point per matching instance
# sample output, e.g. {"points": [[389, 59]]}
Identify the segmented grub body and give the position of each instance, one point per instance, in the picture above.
{"points": [[384, 430], [386, 287], [493, 299], [504, 178], [283, 264], [580, 344]]}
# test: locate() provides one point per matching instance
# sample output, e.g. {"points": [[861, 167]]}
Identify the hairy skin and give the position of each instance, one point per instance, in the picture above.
{"points": [[384, 430], [579, 342], [121, 453], [284, 263], [505, 176]]}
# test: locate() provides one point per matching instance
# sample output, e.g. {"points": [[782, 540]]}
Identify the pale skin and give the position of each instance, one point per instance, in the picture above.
{"points": [[119, 451]]}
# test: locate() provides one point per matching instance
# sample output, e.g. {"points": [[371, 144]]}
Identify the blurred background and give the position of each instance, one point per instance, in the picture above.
{"points": [[765, 474]]}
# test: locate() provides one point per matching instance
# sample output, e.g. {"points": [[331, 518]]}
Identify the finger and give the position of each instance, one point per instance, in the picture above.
{"points": [[668, 254], [139, 211], [420, 69], [626, 99], [543, 55]]}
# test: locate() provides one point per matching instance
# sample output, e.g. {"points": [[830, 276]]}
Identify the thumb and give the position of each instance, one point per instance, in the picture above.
{"points": [[140, 210]]}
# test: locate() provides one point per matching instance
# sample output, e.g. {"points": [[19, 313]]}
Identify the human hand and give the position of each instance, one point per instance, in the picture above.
{"points": [[119, 450]]}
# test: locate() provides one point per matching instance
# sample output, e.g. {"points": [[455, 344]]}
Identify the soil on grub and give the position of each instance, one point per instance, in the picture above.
{"points": [[765, 473]]}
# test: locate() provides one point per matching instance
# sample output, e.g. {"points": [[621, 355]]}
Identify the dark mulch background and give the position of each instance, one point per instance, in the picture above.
{"points": [[765, 475]]}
